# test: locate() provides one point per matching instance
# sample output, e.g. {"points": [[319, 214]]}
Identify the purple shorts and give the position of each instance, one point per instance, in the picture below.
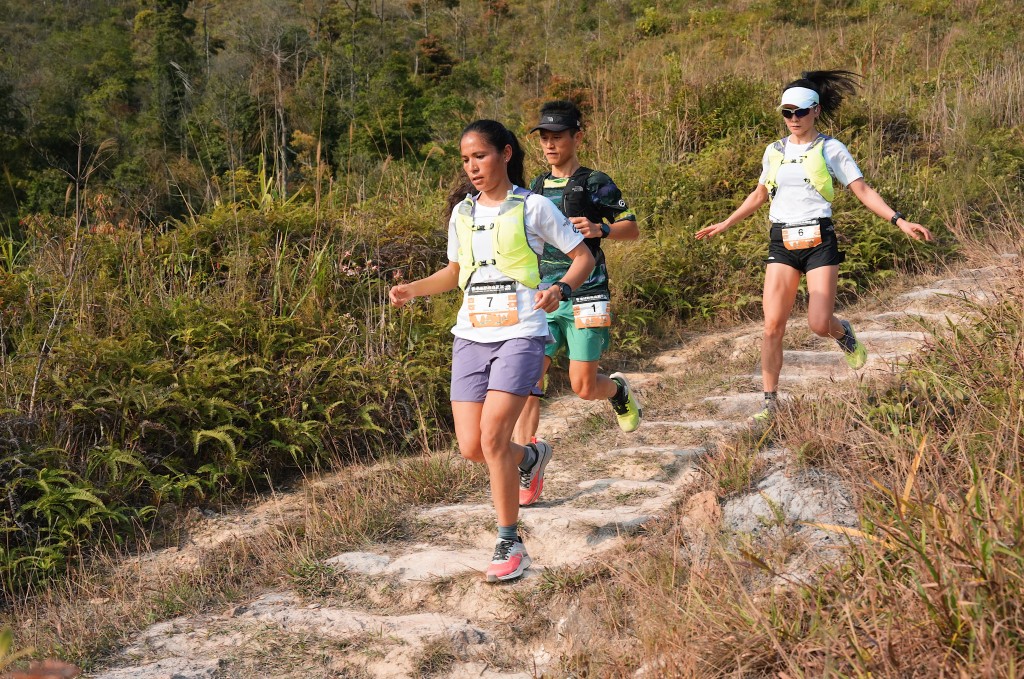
{"points": [[514, 366]]}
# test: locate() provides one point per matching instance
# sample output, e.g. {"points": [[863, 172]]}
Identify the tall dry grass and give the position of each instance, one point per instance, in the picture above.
{"points": [[929, 585]]}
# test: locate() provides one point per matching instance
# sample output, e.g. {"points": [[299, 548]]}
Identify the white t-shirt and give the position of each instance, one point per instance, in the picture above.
{"points": [[797, 200], [544, 224]]}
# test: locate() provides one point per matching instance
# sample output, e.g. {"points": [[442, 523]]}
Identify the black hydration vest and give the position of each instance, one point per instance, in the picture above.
{"points": [[576, 202]]}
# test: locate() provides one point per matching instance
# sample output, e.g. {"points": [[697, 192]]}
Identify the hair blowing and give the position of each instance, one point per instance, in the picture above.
{"points": [[832, 87], [498, 136]]}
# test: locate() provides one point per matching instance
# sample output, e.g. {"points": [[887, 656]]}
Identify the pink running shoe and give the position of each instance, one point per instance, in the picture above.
{"points": [[509, 561], [532, 482]]}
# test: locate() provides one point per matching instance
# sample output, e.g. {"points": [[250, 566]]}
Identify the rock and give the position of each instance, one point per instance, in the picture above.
{"points": [[365, 563], [168, 668], [784, 499], [437, 563], [738, 405], [940, 318], [702, 512], [483, 670], [725, 425], [950, 290], [46, 669]]}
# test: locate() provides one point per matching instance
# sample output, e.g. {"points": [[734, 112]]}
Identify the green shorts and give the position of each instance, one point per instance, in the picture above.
{"points": [[582, 344]]}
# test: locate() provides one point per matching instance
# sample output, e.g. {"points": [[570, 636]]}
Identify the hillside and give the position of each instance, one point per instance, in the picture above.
{"points": [[206, 202], [689, 548]]}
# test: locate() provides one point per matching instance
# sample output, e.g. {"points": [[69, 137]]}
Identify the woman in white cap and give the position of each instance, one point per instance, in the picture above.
{"points": [[797, 176]]}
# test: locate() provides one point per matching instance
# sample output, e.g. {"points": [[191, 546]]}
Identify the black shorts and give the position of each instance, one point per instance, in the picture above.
{"points": [[825, 253]]}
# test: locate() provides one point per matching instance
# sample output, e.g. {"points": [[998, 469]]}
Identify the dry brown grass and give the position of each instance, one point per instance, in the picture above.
{"points": [[107, 600], [930, 585]]}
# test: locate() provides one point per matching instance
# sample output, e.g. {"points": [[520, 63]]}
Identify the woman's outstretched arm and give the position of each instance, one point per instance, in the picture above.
{"points": [[442, 280], [877, 204], [750, 205]]}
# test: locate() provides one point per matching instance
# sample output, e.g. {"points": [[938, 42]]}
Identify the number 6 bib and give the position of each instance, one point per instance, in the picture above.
{"points": [[591, 311], [801, 237], [492, 305]]}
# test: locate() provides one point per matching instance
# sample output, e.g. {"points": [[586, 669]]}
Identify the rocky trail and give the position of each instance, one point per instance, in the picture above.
{"points": [[412, 602]]}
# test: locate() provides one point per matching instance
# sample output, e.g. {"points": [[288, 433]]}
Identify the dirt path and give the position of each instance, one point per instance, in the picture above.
{"points": [[413, 608]]}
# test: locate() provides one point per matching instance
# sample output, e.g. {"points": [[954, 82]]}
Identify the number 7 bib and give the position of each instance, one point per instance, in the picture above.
{"points": [[492, 305]]}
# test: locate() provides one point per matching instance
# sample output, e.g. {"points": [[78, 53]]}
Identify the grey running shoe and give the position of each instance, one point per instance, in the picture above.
{"points": [[532, 482], [509, 561]]}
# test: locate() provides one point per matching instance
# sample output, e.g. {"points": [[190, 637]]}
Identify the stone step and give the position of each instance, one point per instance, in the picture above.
{"points": [[649, 463], [722, 425], [738, 405], [946, 294], [892, 338], [916, 315], [203, 647], [173, 667], [567, 413]]}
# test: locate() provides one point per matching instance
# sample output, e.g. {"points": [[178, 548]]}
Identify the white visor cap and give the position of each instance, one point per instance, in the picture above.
{"points": [[801, 97]]}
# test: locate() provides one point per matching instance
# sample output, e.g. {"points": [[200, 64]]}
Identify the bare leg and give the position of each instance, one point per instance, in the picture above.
{"points": [[484, 431], [529, 420], [467, 429], [821, 288], [587, 383], [780, 286]]}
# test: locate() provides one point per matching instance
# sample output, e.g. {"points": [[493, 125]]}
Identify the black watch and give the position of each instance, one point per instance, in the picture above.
{"points": [[896, 217], [564, 288], [605, 230]]}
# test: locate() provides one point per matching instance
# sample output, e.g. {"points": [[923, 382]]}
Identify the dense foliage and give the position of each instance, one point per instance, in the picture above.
{"points": [[205, 201]]}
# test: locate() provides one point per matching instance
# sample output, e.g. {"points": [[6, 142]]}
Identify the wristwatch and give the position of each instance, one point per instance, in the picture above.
{"points": [[896, 217], [564, 288], [605, 230]]}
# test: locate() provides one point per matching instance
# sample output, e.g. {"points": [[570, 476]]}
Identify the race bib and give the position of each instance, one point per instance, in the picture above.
{"points": [[801, 237], [492, 305], [591, 311]]}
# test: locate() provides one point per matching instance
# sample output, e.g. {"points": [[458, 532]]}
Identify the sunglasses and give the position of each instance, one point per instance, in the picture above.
{"points": [[788, 113]]}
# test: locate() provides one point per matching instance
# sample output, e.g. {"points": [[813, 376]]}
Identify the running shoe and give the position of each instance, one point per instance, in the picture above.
{"points": [[532, 482], [627, 410], [856, 353], [509, 561], [762, 419]]}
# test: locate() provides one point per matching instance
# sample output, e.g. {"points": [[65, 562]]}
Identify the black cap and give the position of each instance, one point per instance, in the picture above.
{"points": [[556, 122]]}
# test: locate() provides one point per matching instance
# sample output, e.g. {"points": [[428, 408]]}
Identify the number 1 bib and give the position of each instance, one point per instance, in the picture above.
{"points": [[492, 305], [801, 237], [591, 311]]}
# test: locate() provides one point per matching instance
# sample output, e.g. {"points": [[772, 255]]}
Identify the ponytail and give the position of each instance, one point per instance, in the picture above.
{"points": [[832, 87], [498, 136], [460, 190]]}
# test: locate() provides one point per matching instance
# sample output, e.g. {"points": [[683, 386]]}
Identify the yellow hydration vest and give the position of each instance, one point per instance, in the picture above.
{"points": [[813, 162], [512, 253]]}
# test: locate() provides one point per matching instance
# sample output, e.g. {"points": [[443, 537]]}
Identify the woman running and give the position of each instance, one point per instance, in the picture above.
{"points": [[495, 238], [797, 175]]}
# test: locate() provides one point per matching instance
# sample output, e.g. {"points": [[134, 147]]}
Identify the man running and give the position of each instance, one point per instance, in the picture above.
{"points": [[580, 325]]}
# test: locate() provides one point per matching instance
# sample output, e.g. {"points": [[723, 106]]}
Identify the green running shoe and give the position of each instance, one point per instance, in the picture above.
{"points": [[628, 410], [764, 418], [856, 353]]}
